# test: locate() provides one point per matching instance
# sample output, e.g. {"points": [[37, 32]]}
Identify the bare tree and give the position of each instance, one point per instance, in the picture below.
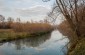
{"points": [[10, 22], [10, 19], [2, 20], [71, 10], [18, 20]]}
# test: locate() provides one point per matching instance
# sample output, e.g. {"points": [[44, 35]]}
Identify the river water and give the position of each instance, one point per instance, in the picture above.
{"points": [[49, 44]]}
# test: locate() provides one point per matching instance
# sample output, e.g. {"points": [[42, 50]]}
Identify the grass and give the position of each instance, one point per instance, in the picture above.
{"points": [[31, 27], [9, 35], [18, 30], [79, 49], [77, 46]]}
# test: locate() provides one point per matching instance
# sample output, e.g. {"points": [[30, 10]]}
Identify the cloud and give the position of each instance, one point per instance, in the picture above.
{"points": [[33, 11], [29, 9], [1, 4]]}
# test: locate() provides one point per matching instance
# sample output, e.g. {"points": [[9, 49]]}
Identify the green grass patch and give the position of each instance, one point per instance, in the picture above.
{"points": [[9, 36], [79, 49]]}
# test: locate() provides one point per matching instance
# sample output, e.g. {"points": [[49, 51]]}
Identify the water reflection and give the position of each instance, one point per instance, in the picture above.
{"points": [[31, 41], [39, 45]]}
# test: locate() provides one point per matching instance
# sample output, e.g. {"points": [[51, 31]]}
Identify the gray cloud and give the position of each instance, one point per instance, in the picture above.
{"points": [[29, 9], [3, 7], [33, 11]]}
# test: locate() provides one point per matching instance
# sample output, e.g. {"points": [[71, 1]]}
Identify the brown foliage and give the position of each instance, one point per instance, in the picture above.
{"points": [[27, 27], [31, 27], [73, 11]]}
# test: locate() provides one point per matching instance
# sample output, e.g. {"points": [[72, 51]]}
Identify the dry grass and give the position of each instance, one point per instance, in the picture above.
{"points": [[31, 27], [23, 30], [79, 49], [76, 48]]}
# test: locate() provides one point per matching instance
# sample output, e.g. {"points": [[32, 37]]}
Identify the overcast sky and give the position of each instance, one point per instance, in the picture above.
{"points": [[25, 9]]}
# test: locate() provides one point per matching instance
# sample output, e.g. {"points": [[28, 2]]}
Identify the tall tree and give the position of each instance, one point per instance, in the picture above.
{"points": [[10, 19], [70, 9], [10, 22], [18, 20], [2, 20]]}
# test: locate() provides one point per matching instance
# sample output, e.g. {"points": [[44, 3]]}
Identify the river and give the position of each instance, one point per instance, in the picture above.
{"points": [[49, 44]]}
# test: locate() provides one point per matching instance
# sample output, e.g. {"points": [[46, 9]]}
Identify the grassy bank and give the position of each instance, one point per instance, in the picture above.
{"points": [[11, 29], [79, 49], [9, 35], [18, 30], [76, 46]]}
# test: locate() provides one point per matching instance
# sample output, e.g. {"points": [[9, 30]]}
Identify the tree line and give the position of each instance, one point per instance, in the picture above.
{"points": [[18, 26], [73, 11]]}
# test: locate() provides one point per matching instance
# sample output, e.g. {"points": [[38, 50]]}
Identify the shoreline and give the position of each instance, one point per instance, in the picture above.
{"points": [[5, 37], [77, 46]]}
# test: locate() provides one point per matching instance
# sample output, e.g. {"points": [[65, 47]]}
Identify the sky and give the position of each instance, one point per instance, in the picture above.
{"points": [[25, 9]]}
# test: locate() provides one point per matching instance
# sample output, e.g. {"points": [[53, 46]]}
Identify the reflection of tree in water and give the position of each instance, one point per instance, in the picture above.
{"points": [[18, 45], [1, 44], [65, 29], [31, 41]]}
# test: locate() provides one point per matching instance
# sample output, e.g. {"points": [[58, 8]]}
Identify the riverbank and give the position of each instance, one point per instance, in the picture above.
{"points": [[76, 46], [19, 30], [9, 35], [79, 48]]}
